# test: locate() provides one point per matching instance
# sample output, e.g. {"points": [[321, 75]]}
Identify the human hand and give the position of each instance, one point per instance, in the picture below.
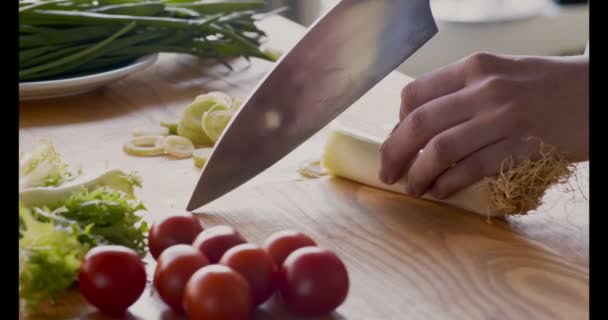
{"points": [[471, 115]]}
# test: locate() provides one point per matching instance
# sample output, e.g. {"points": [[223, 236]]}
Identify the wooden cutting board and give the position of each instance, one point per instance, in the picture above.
{"points": [[407, 258]]}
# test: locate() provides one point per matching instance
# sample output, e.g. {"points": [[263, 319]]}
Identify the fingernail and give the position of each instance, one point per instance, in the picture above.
{"points": [[394, 128], [383, 144]]}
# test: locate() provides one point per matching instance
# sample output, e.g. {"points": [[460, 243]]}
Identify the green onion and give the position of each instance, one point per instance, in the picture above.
{"points": [[59, 38]]}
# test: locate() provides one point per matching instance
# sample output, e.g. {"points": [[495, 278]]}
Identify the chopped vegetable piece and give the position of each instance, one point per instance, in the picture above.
{"points": [[170, 124], [177, 146], [43, 167], [312, 169], [145, 146], [103, 208], [217, 97], [201, 155], [236, 104], [215, 120], [150, 131], [273, 54], [115, 179], [197, 136], [190, 122], [49, 259]]}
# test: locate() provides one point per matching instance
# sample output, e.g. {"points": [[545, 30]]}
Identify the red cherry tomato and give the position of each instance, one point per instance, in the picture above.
{"points": [[174, 268], [256, 266], [173, 230], [112, 278], [313, 282], [215, 241], [217, 292], [280, 244]]}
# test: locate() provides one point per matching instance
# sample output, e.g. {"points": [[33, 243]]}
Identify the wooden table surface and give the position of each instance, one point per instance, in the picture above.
{"points": [[407, 258]]}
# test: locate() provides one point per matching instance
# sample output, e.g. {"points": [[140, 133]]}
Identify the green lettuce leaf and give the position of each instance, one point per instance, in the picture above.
{"points": [[108, 215], [43, 167], [49, 258]]}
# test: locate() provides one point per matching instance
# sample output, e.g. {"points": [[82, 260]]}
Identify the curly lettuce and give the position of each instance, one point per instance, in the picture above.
{"points": [[43, 167], [49, 258], [61, 218], [109, 216]]}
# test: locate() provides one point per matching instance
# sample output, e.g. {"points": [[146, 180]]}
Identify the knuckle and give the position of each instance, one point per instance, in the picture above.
{"points": [[416, 121], [494, 84], [497, 89], [481, 63], [408, 97], [442, 147]]}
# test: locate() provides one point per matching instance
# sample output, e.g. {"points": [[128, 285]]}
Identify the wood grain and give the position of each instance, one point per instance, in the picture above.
{"points": [[407, 258]]}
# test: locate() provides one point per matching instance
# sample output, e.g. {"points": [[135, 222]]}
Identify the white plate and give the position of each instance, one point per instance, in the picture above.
{"points": [[486, 11], [78, 85]]}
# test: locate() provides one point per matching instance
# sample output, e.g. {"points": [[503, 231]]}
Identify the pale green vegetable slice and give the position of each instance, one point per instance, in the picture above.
{"points": [[312, 169], [192, 115], [215, 120], [356, 156], [150, 131], [189, 125], [216, 96], [177, 146], [197, 136], [201, 155], [145, 146], [272, 53], [236, 103], [170, 124], [43, 166], [115, 179]]}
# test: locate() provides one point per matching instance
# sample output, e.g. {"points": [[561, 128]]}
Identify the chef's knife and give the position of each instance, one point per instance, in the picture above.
{"points": [[342, 56]]}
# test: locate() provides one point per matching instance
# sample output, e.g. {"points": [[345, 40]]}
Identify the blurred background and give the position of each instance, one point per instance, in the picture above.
{"points": [[534, 27]]}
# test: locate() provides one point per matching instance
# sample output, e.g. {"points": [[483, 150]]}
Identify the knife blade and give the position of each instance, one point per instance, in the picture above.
{"points": [[342, 56]]}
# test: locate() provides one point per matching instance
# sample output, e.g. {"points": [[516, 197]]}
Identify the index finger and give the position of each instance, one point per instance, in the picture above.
{"points": [[437, 83]]}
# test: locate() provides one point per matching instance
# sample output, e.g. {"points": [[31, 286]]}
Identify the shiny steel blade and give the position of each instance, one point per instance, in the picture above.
{"points": [[343, 55]]}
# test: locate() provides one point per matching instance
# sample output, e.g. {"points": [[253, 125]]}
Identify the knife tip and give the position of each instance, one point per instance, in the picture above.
{"points": [[191, 206]]}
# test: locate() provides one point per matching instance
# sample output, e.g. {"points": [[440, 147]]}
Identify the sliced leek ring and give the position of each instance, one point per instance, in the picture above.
{"points": [[215, 120], [201, 155], [145, 146], [197, 136], [170, 124], [216, 97], [150, 131], [312, 169], [178, 146], [236, 103]]}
